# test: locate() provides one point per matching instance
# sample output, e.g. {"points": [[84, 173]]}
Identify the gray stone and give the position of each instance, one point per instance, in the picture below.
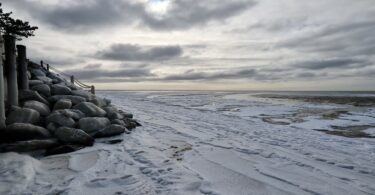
{"points": [[53, 76], [71, 113], [32, 64], [23, 131], [34, 83], [70, 135], [93, 124], [100, 102], [63, 149], [43, 89], [43, 109], [60, 119], [37, 72], [87, 95], [112, 113], [24, 95], [75, 99], [22, 115], [118, 122], [27, 146], [52, 127], [90, 109], [45, 79], [110, 130], [62, 104], [59, 89]]}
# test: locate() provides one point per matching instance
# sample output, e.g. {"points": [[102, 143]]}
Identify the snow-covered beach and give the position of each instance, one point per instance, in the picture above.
{"points": [[213, 143]]}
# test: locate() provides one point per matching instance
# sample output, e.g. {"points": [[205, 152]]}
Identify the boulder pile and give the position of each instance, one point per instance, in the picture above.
{"points": [[56, 116]]}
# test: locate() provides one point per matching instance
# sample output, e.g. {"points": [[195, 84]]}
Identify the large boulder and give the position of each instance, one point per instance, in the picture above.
{"points": [[45, 79], [113, 113], [118, 122], [24, 95], [63, 149], [77, 136], [22, 115], [33, 83], [62, 104], [23, 131], [93, 124], [55, 77], [52, 127], [60, 119], [75, 99], [43, 89], [59, 89], [27, 146], [110, 130], [90, 109], [71, 113], [101, 102], [42, 108], [37, 72], [87, 95]]}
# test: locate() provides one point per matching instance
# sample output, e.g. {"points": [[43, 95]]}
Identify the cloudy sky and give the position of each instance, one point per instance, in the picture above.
{"points": [[206, 44]]}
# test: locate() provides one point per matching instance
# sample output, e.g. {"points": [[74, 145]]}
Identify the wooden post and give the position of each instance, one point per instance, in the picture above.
{"points": [[23, 80], [72, 79], [11, 69], [93, 89], [41, 63], [47, 67], [2, 95]]}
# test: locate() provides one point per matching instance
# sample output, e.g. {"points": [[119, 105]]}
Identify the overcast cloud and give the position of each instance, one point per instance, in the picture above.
{"points": [[252, 44]]}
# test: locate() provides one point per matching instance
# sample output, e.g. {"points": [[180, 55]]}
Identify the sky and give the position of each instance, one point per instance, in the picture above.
{"points": [[205, 44]]}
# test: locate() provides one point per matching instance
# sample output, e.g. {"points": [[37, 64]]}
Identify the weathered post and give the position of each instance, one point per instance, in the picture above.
{"points": [[72, 79], [11, 69], [93, 89], [2, 95], [47, 67], [23, 80], [41, 63]]}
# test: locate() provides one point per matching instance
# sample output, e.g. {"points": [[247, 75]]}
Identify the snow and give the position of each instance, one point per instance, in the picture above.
{"points": [[209, 143]]}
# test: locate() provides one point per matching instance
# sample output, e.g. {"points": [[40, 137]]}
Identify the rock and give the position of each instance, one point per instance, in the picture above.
{"points": [[90, 109], [42, 89], [52, 127], [22, 115], [34, 83], [24, 95], [93, 124], [131, 123], [118, 122], [23, 131], [32, 64], [112, 113], [75, 99], [71, 113], [58, 89], [43, 109], [45, 79], [60, 119], [27, 146], [77, 136], [127, 115], [63, 149], [110, 130], [100, 102], [37, 72], [87, 95], [62, 104], [55, 77]]}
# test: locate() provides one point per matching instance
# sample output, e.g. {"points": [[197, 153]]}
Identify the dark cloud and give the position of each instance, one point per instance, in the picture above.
{"points": [[332, 63], [96, 73], [353, 38], [85, 15], [191, 75], [128, 52]]}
